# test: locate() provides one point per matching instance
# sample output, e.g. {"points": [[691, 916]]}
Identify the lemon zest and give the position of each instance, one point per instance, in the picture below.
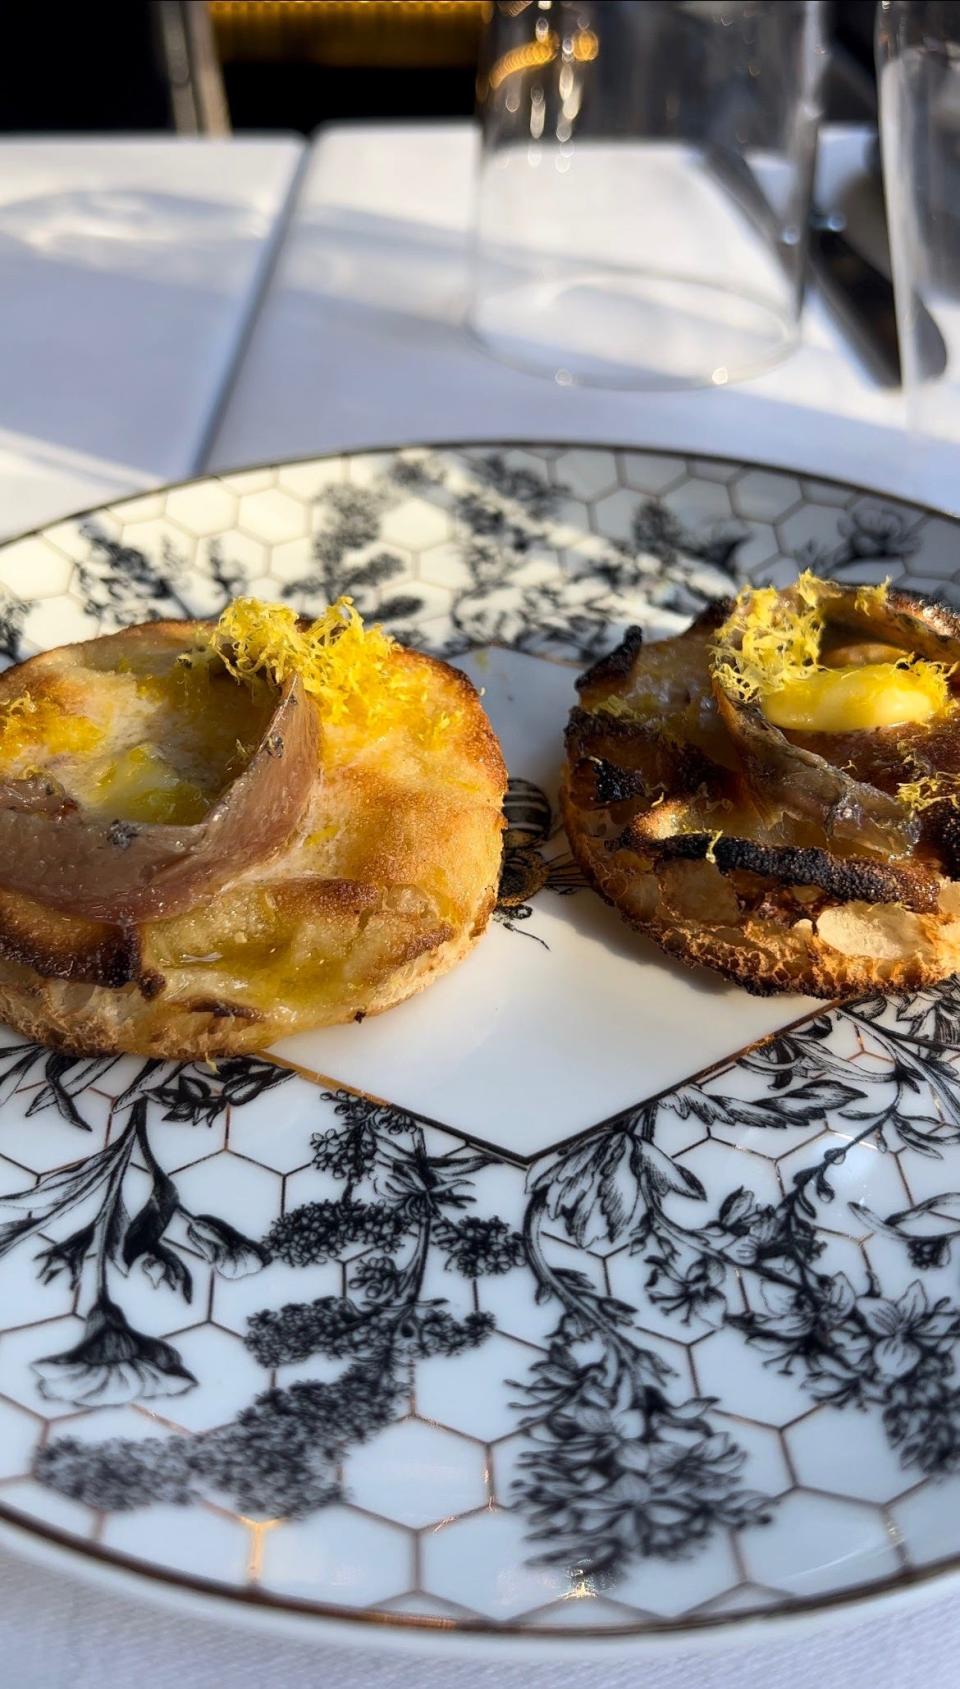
{"points": [[769, 639], [620, 708], [930, 789], [869, 599], [769, 646], [350, 670], [711, 853]]}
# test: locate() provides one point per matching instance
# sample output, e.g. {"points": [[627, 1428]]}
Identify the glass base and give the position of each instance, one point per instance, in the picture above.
{"points": [[607, 328]]}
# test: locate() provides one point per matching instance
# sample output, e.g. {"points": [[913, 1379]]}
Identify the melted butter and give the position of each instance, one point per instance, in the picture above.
{"points": [[141, 785], [28, 726], [858, 698], [322, 835], [257, 969]]}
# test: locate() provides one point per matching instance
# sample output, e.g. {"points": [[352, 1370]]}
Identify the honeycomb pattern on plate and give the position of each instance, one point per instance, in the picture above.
{"points": [[429, 1508], [527, 1352], [451, 542]]}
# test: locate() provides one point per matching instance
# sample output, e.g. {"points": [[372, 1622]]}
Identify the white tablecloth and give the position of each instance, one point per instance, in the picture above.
{"points": [[57, 1633], [130, 273], [361, 342]]}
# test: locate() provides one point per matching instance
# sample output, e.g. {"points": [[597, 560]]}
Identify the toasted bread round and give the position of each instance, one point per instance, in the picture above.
{"points": [[385, 883], [677, 829]]}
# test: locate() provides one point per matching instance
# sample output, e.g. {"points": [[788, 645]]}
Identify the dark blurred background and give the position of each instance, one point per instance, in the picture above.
{"points": [[213, 65]]}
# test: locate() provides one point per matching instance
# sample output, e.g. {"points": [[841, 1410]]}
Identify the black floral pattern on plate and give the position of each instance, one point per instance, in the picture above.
{"points": [[13, 614], [114, 1363], [661, 573], [871, 533], [620, 1461]]}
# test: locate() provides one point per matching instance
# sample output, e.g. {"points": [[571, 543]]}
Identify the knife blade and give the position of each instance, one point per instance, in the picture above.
{"points": [[859, 293]]}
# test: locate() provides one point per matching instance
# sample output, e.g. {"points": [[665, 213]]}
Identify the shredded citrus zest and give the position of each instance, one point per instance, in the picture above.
{"points": [[715, 838], [930, 789], [349, 669], [769, 645], [869, 599], [614, 706], [769, 639]]}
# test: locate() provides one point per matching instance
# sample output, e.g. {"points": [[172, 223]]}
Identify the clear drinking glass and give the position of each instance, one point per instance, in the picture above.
{"points": [[918, 68], [645, 184]]}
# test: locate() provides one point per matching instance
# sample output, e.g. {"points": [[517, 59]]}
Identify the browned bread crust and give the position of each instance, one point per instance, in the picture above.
{"points": [[663, 824], [386, 883]]}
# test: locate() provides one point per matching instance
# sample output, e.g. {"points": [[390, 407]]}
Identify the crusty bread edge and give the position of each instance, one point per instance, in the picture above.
{"points": [[89, 1018], [35, 1008], [764, 963]]}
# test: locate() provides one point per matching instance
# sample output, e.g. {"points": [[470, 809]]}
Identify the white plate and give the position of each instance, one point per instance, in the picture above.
{"points": [[551, 1303]]}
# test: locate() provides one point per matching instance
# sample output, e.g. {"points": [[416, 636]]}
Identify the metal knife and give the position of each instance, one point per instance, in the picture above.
{"points": [[858, 292], [861, 297]]}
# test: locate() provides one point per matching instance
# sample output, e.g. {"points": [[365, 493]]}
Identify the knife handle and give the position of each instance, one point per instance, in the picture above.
{"points": [[861, 297]]}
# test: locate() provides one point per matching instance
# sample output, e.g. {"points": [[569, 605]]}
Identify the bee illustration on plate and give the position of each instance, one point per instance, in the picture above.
{"points": [[526, 869]]}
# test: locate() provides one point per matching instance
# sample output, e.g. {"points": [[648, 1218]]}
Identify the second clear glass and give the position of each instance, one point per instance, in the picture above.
{"points": [[918, 65], [645, 186]]}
